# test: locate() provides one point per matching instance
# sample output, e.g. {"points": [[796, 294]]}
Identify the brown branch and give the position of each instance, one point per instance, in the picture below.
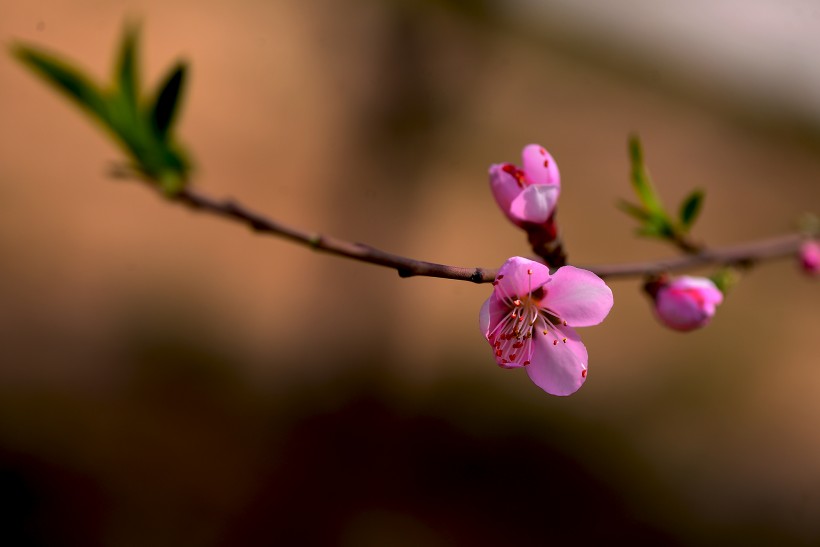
{"points": [[738, 255]]}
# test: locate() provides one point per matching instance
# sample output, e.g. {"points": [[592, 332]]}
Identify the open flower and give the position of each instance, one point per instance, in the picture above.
{"points": [[686, 303], [529, 318], [527, 195], [810, 257]]}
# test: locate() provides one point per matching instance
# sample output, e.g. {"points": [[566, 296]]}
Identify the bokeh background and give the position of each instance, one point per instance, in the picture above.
{"points": [[168, 378]]}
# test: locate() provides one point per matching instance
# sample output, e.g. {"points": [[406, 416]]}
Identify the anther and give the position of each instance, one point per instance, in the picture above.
{"points": [[525, 363], [564, 340], [565, 323], [529, 272], [555, 342], [583, 373], [517, 302]]}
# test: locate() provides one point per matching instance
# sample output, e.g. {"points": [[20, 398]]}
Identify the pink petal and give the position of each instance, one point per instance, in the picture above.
{"points": [[705, 287], [577, 296], [810, 257], [520, 276], [492, 311], [504, 187], [687, 303], [559, 369], [535, 204], [539, 166]]}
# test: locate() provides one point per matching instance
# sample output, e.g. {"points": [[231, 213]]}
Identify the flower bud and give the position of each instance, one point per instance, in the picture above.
{"points": [[686, 303], [810, 257], [527, 195]]}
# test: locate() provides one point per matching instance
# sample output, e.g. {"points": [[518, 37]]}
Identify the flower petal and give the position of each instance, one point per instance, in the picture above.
{"points": [[705, 287], [492, 311], [514, 278], [539, 166], [559, 369], [504, 187], [535, 204], [577, 296], [687, 303]]}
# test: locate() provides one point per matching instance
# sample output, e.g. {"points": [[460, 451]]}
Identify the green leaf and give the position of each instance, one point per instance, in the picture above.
{"points": [[690, 209], [633, 210], [163, 112], [725, 279], [656, 226], [142, 130], [641, 182], [127, 70], [67, 79]]}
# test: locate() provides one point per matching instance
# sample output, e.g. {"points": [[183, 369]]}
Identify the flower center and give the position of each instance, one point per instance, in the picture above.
{"points": [[526, 317]]}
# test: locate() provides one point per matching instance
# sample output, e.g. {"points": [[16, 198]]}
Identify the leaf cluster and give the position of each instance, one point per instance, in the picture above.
{"points": [[650, 212], [141, 125]]}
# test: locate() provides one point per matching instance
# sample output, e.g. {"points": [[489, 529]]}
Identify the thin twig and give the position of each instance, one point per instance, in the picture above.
{"points": [[746, 254]]}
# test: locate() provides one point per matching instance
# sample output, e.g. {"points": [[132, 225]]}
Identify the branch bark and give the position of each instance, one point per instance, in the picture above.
{"points": [[745, 255]]}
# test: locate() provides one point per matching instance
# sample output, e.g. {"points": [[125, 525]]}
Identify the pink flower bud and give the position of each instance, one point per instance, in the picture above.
{"points": [[527, 195], [687, 303], [810, 257]]}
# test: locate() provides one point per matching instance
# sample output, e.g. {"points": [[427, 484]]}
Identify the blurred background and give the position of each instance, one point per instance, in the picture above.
{"points": [[168, 378]]}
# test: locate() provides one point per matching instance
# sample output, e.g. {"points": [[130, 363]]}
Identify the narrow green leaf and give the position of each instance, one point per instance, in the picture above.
{"points": [[641, 181], [126, 73], [690, 209], [656, 227], [66, 78], [725, 279], [633, 210], [166, 105]]}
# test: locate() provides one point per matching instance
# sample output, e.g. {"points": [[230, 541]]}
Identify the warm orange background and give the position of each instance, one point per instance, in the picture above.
{"points": [[169, 378]]}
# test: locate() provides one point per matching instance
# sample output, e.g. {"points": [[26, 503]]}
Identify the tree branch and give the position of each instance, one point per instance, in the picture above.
{"points": [[746, 254]]}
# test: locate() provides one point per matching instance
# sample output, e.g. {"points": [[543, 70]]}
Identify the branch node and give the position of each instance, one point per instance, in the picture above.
{"points": [[405, 272], [257, 225], [315, 241], [477, 276]]}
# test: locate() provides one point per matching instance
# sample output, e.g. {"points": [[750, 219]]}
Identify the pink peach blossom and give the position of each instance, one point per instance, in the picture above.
{"points": [[529, 318], [687, 303], [527, 195], [810, 257]]}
